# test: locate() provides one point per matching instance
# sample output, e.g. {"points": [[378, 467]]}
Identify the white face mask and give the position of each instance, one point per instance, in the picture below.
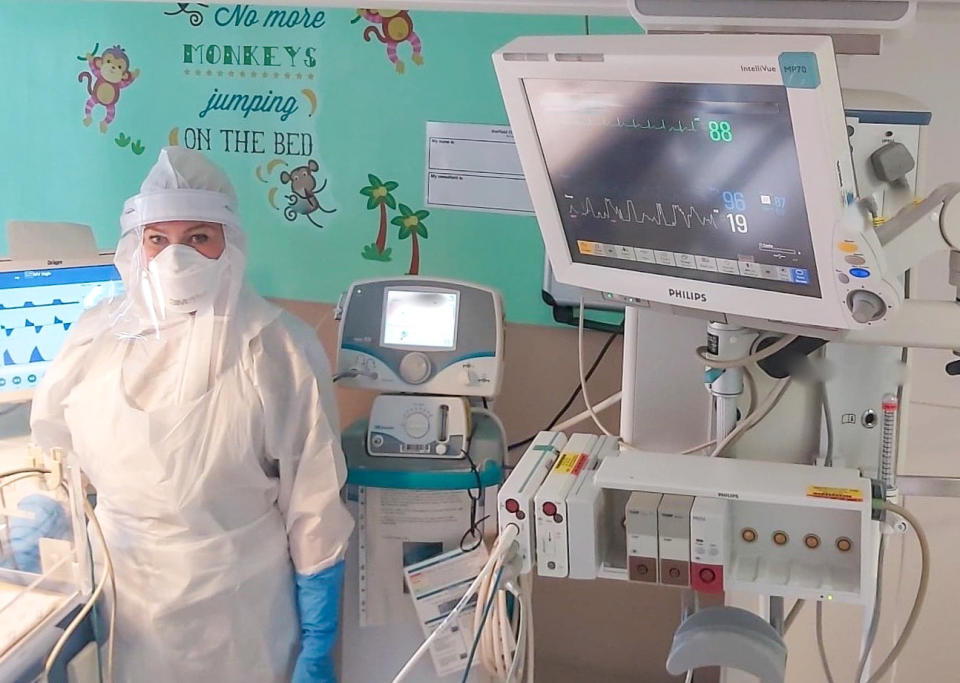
{"points": [[183, 279]]}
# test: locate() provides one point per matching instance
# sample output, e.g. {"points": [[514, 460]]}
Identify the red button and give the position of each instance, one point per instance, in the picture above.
{"points": [[707, 575], [512, 505], [549, 509]]}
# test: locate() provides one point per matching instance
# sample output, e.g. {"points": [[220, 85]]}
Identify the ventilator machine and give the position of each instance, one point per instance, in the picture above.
{"points": [[423, 467]]}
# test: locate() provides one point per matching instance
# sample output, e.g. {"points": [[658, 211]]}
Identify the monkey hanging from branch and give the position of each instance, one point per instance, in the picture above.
{"points": [[110, 74], [397, 28], [303, 198]]}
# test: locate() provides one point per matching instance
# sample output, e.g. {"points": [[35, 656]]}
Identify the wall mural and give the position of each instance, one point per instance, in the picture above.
{"points": [[317, 115]]}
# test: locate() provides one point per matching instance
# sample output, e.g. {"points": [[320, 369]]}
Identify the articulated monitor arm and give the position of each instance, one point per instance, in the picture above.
{"points": [[924, 228]]}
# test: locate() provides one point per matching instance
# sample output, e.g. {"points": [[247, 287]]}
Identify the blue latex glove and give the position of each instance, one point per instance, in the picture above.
{"points": [[49, 521], [318, 596]]}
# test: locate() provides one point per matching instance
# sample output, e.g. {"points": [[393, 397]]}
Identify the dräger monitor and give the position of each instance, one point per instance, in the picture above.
{"points": [[420, 335], [710, 172], [38, 306]]}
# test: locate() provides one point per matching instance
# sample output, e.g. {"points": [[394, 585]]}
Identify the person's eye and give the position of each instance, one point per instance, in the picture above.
{"points": [[157, 239], [199, 238]]}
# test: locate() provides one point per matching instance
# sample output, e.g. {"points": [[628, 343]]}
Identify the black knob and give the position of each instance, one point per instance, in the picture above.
{"points": [[953, 367]]}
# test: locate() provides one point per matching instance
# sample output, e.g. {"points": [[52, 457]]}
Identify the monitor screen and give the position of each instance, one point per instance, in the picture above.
{"points": [[420, 319], [37, 308], [697, 181]]}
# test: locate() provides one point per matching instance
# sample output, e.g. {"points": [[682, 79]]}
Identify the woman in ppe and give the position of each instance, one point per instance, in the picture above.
{"points": [[205, 418]]}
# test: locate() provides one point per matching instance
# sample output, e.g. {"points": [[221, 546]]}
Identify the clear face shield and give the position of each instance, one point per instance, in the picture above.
{"points": [[181, 251], [182, 256]]}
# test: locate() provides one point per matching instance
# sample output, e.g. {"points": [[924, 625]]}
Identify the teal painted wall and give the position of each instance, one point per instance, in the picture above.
{"points": [[368, 119]]}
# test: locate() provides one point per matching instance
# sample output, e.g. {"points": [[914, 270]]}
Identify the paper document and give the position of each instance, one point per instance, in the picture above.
{"points": [[436, 586], [398, 527], [476, 168]]}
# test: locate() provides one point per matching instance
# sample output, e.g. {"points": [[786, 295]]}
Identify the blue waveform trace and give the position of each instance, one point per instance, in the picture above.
{"points": [[35, 357], [29, 324], [30, 304], [627, 213]]}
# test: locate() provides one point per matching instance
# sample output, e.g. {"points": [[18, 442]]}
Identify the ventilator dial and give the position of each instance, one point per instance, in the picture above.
{"points": [[415, 368], [416, 424]]}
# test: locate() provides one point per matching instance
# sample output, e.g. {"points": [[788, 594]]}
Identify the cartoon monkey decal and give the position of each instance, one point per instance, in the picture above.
{"points": [[303, 198], [397, 28], [111, 74]]}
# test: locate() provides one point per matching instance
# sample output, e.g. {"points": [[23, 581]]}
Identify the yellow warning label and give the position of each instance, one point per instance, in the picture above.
{"points": [[585, 247], [570, 463], [834, 493]]}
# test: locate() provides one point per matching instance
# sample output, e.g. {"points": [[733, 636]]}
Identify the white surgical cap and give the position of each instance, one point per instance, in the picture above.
{"points": [[182, 185]]}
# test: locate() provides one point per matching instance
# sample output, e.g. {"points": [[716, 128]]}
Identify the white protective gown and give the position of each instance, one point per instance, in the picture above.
{"points": [[215, 482], [197, 501]]}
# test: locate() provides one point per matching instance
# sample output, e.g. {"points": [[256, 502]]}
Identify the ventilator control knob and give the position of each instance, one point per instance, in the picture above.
{"points": [[416, 425], [866, 306], [415, 368]]}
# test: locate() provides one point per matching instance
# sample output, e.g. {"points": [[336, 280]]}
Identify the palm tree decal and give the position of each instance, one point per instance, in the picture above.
{"points": [[411, 225], [378, 195]]}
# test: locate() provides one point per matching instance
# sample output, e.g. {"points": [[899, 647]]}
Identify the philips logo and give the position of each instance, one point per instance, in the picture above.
{"points": [[724, 494], [688, 295]]}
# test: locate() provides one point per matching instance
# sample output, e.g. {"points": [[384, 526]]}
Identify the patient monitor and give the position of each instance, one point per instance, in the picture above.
{"points": [[53, 273], [709, 172], [39, 302]]}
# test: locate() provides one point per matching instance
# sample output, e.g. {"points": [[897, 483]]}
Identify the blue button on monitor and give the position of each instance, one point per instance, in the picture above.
{"points": [[860, 272], [800, 276], [31, 378], [17, 380]]}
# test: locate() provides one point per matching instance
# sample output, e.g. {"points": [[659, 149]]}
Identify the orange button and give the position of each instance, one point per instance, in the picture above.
{"points": [[844, 544], [847, 247], [780, 538]]}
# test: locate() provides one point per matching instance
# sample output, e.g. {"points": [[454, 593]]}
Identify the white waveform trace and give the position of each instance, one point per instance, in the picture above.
{"points": [[627, 212], [605, 120]]}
